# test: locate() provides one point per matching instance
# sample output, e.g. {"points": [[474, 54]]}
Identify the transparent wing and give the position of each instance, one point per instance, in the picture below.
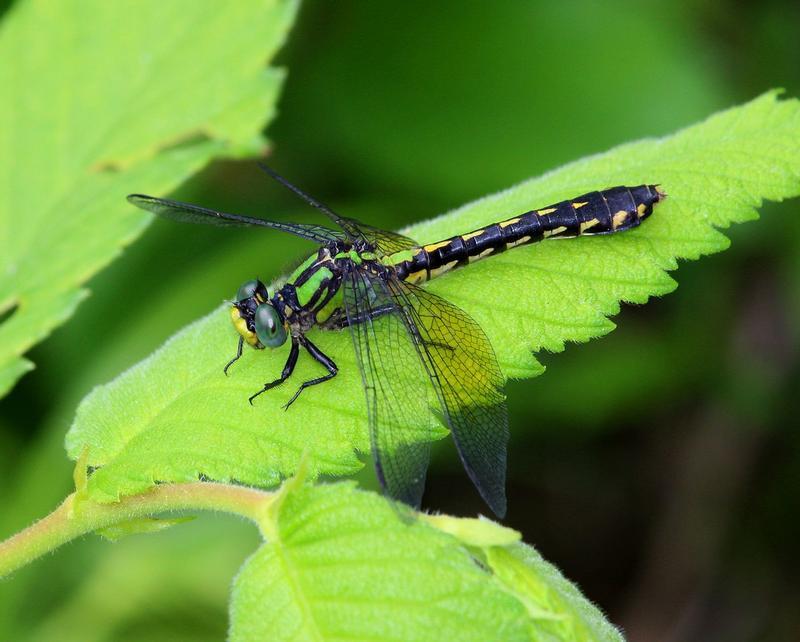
{"points": [[188, 213], [349, 226], [397, 388], [384, 241], [468, 382]]}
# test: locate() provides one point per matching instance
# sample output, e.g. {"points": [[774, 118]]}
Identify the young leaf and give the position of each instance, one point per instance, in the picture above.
{"points": [[103, 100], [175, 416], [557, 609], [556, 606], [342, 564]]}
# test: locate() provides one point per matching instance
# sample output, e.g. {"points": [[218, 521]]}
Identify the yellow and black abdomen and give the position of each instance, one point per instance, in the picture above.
{"points": [[605, 212]]}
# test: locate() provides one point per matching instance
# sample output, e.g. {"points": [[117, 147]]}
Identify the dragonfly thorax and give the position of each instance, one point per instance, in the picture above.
{"points": [[312, 295]]}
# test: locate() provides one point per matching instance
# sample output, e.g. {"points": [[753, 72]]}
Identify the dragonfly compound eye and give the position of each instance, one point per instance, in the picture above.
{"points": [[252, 288], [269, 327]]}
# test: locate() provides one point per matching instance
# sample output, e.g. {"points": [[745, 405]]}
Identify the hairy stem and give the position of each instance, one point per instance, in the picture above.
{"points": [[77, 516]]}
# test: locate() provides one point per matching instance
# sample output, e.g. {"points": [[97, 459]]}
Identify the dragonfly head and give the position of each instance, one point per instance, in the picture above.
{"points": [[256, 320]]}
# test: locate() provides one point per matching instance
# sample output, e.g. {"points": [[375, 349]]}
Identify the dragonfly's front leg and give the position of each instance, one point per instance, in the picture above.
{"points": [[319, 357], [291, 362], [236, 358]]}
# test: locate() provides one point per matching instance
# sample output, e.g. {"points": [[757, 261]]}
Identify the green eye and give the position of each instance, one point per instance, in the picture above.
{"points": [[250, 289], [247, 290], [269, 328]]}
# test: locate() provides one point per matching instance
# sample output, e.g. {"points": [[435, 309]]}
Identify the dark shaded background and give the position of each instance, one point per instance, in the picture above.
{"points": [[659, 468]]}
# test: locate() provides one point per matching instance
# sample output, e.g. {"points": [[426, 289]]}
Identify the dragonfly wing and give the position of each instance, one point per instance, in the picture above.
{"points": [[188, 213], [468, 382], [384, 241], [348, 225], [397, 390]]}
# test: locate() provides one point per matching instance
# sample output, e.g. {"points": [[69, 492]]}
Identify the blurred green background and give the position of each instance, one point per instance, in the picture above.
{"points": [[659, 468]]}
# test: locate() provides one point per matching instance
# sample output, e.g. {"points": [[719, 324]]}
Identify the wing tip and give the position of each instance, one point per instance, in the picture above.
{"points": [[136, 199], [498, 505]]}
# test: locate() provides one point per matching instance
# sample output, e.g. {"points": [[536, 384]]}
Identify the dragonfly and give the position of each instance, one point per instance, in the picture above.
{"points": [[417, 352]]}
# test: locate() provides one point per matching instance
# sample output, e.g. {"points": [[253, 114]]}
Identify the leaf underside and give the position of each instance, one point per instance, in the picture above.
{"points": [[175, 416], [108, 100]]}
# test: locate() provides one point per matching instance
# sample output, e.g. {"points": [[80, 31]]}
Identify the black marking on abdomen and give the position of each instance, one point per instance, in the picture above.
{"points": [[604, 212]]}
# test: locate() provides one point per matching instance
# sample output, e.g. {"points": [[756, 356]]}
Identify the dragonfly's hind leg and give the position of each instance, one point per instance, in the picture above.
{"points": [[291, 362], [319, 357]]}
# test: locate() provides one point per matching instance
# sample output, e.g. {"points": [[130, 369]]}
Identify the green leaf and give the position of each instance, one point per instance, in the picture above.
{"points": [[556, 606], [480, 532], [175, 416], [341, 563], [110, 99]]}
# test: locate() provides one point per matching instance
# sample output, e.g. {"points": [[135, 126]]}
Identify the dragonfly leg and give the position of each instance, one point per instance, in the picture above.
{"points": [[236, 358], [319, 357], [288, 368]]}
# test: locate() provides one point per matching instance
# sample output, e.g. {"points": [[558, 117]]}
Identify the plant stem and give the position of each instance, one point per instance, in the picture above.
{"points": [[77, 516]]}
